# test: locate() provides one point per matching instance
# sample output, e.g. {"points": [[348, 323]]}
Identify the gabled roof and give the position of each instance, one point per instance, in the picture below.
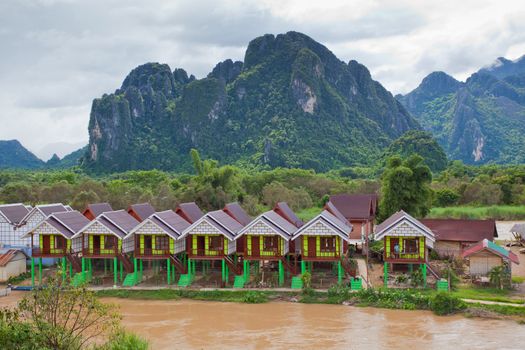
{"points": [[493, 248], [141, 210], [238, 213], [519, 229], [14, 213], [286, 212], [46, 210], [399, 217], [168, 221], [190, 211], [339, 227], [220, 220], [462, 230], [276, 222], [335, 212], [118, 222], [66, 223], [98, 208], [6, 255], [356, 206]]}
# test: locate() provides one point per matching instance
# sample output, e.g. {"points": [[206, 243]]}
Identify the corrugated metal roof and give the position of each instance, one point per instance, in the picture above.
{"points": [[6, 255], [284, 210], [399, 217], [462, 230], [49, 209], [238, 213], [339, 227], [225, 220], [493, 248], [175, 221], [98, 208], [190, 210], [118, 221], [142, 210], [355, 206], [14, 213]]}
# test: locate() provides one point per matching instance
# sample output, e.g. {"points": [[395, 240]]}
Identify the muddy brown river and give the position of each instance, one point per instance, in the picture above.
{"points": [[188, 324]]}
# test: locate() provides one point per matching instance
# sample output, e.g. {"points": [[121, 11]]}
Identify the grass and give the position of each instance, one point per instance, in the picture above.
{"points": [[488, 294], [308, 213], [518, 279], [497, 212], [246, 296]]}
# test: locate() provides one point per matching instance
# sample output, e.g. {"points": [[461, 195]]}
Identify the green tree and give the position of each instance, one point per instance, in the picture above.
{"points": [[405, 185]]}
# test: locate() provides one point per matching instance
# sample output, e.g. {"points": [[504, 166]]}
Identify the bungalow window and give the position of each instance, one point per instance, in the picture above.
{"points": [[270, 244], [327, 244], [162, 243], [109, 242], [216, 242], [410, 246], [60, 242]]}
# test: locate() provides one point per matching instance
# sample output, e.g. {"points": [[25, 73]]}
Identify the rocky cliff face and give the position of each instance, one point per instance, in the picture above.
{"points": [[290, 103], [479, 121]]}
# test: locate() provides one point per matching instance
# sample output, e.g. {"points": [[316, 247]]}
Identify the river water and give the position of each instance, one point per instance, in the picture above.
{"points": [[189, 324]]}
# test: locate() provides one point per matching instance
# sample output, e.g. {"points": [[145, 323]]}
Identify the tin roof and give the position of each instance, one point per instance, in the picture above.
{"points": [[356, 206], [67, 223], [49, 209], [276, 222], [462, 230], [14, 213], [190, 211], [286, 212], [493, 248], [170, 222], [142, 210], [399, 217], [238, 213], [98, 208], [339, 227], [6, 255], [220, 220]]}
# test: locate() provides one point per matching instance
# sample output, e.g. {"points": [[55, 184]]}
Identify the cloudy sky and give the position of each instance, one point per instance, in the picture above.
{"points": [[57, 55]]}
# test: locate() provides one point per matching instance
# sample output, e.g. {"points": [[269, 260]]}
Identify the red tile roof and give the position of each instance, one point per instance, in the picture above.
{"points": [[356, 206], [462, 230]]}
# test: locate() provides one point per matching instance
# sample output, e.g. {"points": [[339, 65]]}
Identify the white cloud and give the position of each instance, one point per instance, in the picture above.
{"points": [[59, 55]]}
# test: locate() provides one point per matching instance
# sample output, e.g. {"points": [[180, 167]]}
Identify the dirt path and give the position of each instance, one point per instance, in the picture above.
{"points": [[488, 302]]}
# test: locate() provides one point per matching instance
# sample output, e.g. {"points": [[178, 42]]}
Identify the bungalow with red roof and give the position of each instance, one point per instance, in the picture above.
{"points": [[55, 240], [95, 209], [454, 236], [360, 210], [141, 211], [212, 239], [103, 237], [12, 263], [320, 240], [157, 238], [267, 238], [405, 241], [11, 215], [485, 255]]}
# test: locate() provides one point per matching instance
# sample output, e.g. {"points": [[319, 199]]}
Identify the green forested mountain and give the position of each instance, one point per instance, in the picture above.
{"points": [[290, 103], [14, 155], [479, 121]]}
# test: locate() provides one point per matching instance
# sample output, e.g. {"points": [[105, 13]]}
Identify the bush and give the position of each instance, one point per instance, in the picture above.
{"points": [[123, 340], [446, 197], [307, 283], [416, 278], [338, 293], [444, 304], [393, 298], [454, 279], [255, 298]]}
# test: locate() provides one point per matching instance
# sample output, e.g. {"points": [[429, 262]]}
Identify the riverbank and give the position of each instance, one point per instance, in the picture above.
{"points": [[439, 303]]}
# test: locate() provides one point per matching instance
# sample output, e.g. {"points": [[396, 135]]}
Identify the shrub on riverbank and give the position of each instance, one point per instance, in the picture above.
{"points": [[405, 299], [443, 303]]}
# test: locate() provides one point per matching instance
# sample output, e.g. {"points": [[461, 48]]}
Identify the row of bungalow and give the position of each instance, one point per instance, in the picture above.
{"points": [[185, 237]]}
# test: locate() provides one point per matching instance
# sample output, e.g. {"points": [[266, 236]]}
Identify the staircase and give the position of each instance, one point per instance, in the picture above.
{"points": [[185, 280], [74, 260], [179, 266], [297, 282], [236, 268], [433, 272], [126, 262], [130, 280], [239, 281], [79, 279], [289, 266]]}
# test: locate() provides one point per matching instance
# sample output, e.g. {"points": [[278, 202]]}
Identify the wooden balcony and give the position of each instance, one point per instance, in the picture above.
{"points": [[148, 253], [100, 253], [49, 253], [204, 254], [403, 258]]}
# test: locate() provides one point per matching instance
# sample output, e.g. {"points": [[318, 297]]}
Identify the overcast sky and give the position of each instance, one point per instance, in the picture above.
{"points": [[57, 55]]}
